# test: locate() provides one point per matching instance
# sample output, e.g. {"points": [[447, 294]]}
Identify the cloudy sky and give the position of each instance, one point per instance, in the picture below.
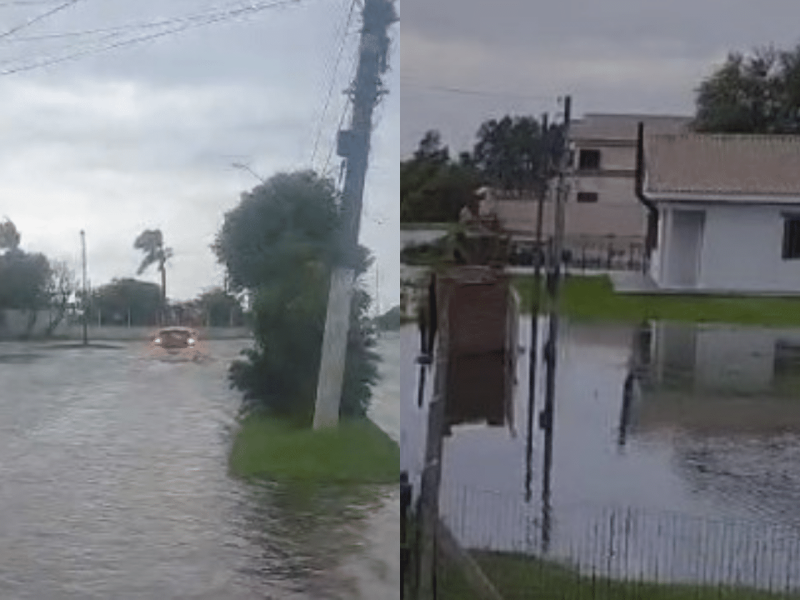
{"points": [[114, 140], [465, 61]]}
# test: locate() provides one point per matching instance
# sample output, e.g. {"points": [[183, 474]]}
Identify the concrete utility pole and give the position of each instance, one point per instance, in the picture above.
{"points": [[85, 296], [353, 146]]}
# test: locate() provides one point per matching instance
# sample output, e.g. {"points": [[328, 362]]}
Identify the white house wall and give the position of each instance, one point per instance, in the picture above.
{"points": [[742, 250], [664, 245]]}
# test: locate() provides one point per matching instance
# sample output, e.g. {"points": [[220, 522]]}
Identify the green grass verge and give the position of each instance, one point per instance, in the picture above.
{"points": [[593, 299], [356, 451], [517, 577]]}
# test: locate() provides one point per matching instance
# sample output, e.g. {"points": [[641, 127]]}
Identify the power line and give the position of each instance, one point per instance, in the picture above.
{"points": [[41, 17], [232, 14], [27, 3], [409, 83], [130, 27], [342, 44]]}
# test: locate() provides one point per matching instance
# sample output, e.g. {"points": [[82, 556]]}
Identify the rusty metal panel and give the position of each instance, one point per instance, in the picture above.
{"points": [[481, 345]]}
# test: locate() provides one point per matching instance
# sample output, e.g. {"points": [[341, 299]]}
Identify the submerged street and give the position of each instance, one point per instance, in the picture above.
{"points": [[115, 485]]}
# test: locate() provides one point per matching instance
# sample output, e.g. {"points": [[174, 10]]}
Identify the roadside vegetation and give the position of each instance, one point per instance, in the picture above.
{"points": [[357, 451], [279, 246]]}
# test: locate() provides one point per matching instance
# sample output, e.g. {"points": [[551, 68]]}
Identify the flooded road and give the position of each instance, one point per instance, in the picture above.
{"points": [[115, 485], [710, 436]]}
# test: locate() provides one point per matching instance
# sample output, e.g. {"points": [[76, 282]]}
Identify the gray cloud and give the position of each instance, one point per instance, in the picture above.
{"points": [[144, 136], [616, 56]]}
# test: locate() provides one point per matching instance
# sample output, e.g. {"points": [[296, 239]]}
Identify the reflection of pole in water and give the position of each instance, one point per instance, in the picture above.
{"points": [[640, 359], [536, 297], [546, 489], [625, 415]]}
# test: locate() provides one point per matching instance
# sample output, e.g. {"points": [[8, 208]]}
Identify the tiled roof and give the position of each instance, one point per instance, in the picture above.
{"points": [[623, 126], [724, 165]]}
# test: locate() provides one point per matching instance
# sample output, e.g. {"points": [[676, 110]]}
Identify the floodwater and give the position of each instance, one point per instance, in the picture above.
{"points": [[709, 437], [115, 485]]}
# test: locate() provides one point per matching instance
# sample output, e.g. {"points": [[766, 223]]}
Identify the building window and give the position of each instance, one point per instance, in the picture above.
{"points": [[587, 196], [589, 160], [791, 237]]}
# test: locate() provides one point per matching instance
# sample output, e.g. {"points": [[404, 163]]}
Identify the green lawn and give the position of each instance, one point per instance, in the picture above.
{"points": [[355, 452], [593, 299], [518, 577]]}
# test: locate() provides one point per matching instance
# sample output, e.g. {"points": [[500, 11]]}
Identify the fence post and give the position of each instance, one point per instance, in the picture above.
{"points": [[583, 256], [406, 492]]}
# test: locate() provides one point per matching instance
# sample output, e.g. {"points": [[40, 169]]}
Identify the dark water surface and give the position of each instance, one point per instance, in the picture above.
{"points": [[114, 484], [703, 458]]}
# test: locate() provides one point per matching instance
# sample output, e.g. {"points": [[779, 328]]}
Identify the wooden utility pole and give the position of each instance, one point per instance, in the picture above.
{"points": [[542, 183], [353, 146], [551, 349], [85, 295]]}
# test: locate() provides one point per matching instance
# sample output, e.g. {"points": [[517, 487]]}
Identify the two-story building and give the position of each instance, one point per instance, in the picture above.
{"points": [[601, 204]]}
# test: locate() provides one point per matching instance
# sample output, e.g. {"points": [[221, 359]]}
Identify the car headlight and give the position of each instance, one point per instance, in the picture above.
{"points": [[190, 341], [157, 341]]}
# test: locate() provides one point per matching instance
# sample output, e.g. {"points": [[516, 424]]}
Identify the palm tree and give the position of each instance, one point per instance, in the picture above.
{"points": [[151, 242], [9, 235]]}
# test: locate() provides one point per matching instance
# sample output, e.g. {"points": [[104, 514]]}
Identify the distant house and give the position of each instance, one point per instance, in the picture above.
{"points": [[724, 211], [601, 204]]}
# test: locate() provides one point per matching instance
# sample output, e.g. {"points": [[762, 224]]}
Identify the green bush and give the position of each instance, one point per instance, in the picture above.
{"points": [[281, 371]]}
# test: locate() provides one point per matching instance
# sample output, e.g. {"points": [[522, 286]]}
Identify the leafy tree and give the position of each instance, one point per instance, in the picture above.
{"points": [[61, 287], [280, 245], [110, 303], [24, 280], [290, 220], [509, 152], [432, 187], [9, 236], [508, 155], [754, 93], [220, 308], [151, 242]]}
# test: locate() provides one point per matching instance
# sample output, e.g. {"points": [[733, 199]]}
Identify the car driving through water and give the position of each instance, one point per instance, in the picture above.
{"points": [[177, 342]]}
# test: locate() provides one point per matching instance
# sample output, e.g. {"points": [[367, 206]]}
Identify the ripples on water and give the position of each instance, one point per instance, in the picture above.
{"points": [[115, 485]]}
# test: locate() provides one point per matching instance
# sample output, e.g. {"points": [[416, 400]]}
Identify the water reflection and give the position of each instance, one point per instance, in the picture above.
{"points": [[720, 380], [701, 421]]}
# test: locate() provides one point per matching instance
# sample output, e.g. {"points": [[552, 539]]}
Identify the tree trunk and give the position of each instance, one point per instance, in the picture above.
{"points": [[33, 315], [61, 310]]}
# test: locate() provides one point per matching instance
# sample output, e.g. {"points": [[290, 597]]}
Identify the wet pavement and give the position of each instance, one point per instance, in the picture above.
{"points": [[115, 485]]}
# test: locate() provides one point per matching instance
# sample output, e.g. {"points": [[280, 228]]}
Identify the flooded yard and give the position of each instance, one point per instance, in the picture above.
{"points": [[709, 436]]}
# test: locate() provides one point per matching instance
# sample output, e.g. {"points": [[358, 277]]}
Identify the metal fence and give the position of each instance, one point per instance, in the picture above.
{"points": [[532, 550], [607, 253]]}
